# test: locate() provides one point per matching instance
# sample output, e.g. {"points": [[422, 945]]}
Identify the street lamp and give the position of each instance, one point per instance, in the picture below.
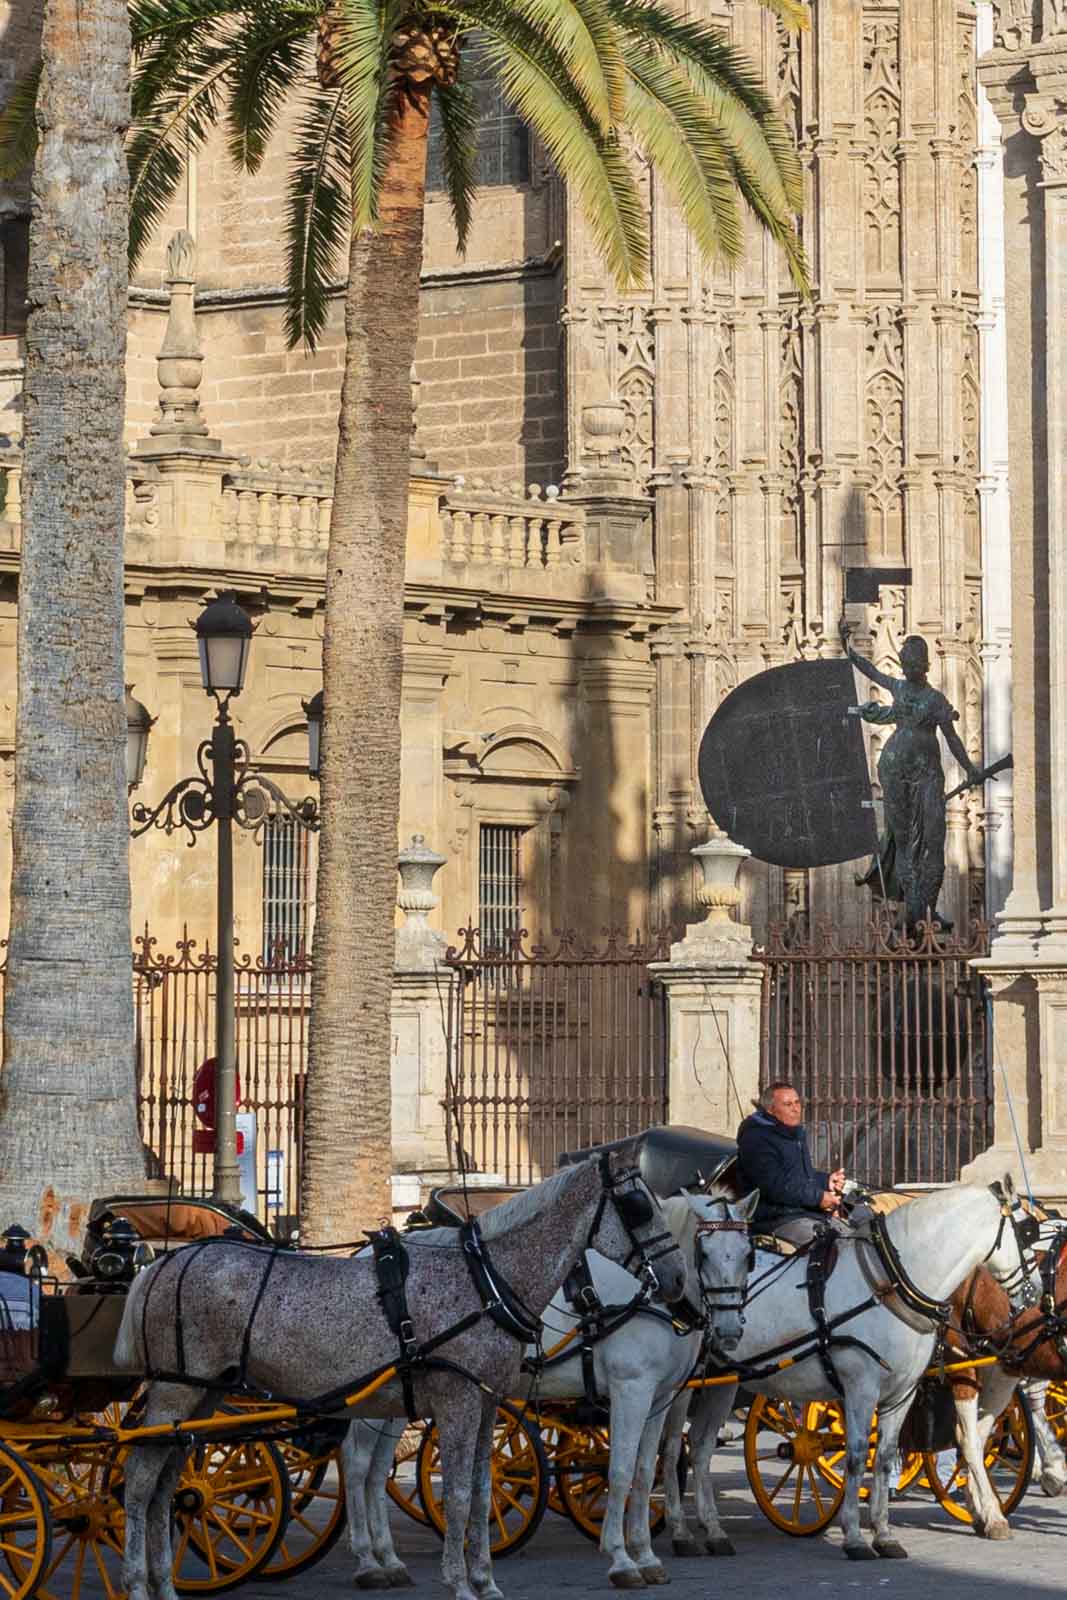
{"points": [[138, 727], [226, 790], [313, 713]]}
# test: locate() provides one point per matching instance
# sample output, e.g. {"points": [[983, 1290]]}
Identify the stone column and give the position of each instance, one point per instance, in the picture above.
{"points": [[422, 988], [713, 989]]}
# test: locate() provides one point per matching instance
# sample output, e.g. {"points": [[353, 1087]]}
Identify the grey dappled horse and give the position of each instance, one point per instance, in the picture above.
{"points": [[314, 1325]]}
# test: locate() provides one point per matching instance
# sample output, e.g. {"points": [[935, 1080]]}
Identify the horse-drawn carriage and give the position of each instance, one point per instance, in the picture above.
{"points": [[262, 1490]]}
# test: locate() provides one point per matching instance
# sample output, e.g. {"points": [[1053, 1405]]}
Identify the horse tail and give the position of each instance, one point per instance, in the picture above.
{"points": [[129, 1355]]}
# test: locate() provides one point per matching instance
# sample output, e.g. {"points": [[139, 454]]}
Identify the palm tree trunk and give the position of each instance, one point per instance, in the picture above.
{"points": [[347, 1150], [68, 1128]]}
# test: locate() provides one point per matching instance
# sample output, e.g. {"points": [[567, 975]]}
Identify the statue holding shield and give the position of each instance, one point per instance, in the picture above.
{"points": [[910, 864]]}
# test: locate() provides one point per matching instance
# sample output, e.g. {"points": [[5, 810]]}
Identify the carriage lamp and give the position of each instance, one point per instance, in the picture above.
{"points": [[15, 1241], [138, 727], [313, 712], [143, 1256], [37, 1262], [224, 634]]}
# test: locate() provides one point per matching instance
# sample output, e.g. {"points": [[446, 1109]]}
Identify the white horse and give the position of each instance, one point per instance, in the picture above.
{"points": [[638, 1369], [937, 1240]]}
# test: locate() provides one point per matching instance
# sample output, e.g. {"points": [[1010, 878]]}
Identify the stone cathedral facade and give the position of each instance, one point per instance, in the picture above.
{"points": [[621, 506]]}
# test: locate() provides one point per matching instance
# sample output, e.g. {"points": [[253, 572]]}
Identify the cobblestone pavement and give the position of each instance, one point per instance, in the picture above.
{"points": [[946, 1559]]}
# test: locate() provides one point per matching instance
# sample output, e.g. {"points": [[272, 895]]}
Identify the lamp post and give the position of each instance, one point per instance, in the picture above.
{"points": [[227, 790]]}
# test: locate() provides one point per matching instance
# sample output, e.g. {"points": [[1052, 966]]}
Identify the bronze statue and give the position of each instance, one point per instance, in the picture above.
{"points": [[910, 865]]}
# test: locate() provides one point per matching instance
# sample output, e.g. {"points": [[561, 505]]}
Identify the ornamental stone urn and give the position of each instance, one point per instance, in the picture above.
{"points": [[719, 937], [418, 946]]}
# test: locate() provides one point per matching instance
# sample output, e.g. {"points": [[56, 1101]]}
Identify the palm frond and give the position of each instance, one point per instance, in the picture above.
{"points": [[725, 77], [459, 127], [534, 79], [270, 58], [18, 126], [365, 30], [673, 128], [582, 33], [793, 14], [317, 206], [163, 134]]}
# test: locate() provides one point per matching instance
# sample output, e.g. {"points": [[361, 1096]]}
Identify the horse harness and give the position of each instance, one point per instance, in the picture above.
{"points": [[597, 1320], [499, 1301]]}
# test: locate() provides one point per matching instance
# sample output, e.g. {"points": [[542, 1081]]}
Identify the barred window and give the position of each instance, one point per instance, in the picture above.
{"points": [[14, 263], [503, 154], [500, 885], [287, 889]]}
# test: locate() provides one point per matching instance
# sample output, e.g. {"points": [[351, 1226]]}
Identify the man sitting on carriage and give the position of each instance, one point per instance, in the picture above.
{"points": [[773, 1157]]}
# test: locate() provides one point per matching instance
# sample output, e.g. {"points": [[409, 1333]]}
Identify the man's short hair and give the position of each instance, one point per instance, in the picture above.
{"points": [[767, 1094]]}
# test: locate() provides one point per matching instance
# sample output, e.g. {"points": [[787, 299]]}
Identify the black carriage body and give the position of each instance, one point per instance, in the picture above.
{"points": [[674, 1158]]}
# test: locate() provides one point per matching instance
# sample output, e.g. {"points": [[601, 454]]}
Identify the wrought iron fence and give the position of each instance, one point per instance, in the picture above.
{"points": [[551, 1049], [887, 1041], [174, 997]]}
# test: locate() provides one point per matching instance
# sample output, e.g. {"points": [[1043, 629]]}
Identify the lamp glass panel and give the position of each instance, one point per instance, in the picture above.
{"points": [[222, 663], [314, 744], [136, 753]]}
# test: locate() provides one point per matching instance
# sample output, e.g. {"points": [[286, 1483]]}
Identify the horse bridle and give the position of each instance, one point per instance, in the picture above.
{"points": [[1018, 1285], [634, 1208], [726, 1296]]}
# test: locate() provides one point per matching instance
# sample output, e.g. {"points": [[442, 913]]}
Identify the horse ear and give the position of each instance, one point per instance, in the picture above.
{"points": [[1009, 1187], [746, 1208]]}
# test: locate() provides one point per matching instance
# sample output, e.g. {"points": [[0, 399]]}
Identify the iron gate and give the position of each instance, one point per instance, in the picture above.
{"points": [[887, 1042], [551, 1050]]}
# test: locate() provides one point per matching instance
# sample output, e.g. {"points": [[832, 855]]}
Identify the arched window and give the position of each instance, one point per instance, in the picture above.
{"points": [[503, 138]]}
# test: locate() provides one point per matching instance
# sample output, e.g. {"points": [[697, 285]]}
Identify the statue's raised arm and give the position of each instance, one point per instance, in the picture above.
{"points": [[868, 668]]}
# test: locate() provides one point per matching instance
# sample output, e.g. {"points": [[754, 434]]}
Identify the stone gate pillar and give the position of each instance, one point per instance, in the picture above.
{"points": [[713, 989]]}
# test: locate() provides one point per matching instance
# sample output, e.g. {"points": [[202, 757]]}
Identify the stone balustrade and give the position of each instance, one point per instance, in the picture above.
{"points": [[485, 526], [270, 507]]}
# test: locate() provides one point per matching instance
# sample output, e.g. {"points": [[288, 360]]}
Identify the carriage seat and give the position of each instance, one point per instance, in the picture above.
{"points": [[451, 1207], [175, 1220]]}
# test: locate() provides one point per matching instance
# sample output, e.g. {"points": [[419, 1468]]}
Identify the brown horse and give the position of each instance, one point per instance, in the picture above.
{"points": [[982, 1319]]}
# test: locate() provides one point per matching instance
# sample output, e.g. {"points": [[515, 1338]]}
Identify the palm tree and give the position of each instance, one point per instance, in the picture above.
{"points": [[68, 1128], [587, 75]]}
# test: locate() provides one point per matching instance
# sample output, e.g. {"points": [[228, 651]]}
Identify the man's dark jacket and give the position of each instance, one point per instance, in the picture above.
{"points": [[776, 1160]]}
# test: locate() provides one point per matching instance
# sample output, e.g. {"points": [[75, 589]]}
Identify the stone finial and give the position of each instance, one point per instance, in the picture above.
{"points": [[418, 946], [719, 938], [180, 362]]}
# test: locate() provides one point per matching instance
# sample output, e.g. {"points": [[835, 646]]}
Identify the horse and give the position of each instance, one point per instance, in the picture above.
{"points": [[315, 1328], [879, 1334], [638, 1366], [1031, 1343]]}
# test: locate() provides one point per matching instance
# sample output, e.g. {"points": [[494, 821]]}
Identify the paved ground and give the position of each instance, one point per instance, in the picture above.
{"points": [[945, 1558]]}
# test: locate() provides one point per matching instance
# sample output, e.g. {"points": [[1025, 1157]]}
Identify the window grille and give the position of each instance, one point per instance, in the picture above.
{"points": [[499, 884], [503, 140], [14, 262], [287, 887]]}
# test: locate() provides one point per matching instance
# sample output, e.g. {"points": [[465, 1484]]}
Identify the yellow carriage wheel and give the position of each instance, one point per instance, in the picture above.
{"points": [[581, 1464], [88, 1521], [784, 1450], [1056, 1409], [402, 1484], [231, 1508], [827, 1416], [1009, 1460], [560, 1437], [519, 1478], [317, 1510], [25, 1528]]}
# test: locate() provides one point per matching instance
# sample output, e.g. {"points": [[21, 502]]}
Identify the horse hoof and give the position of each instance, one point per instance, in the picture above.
{"points": [[400, 1578], [654, 1575], [720, 1547], [860, 1552], [997, 1530], [627, 1580], [377, 1578], [890, 1550], [686, 1547], [1052, 1485]]}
